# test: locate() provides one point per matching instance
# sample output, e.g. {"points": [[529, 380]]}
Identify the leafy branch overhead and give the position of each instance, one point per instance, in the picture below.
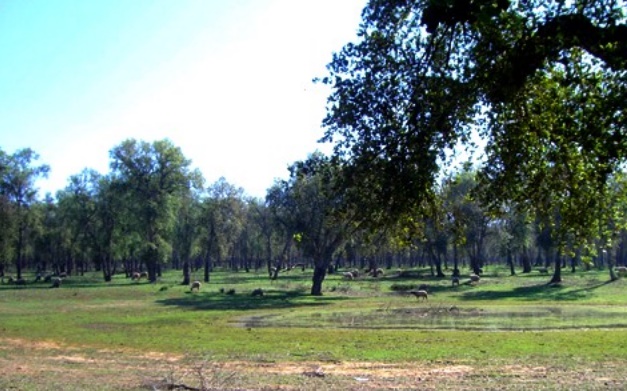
{"points": [[541, 83]]}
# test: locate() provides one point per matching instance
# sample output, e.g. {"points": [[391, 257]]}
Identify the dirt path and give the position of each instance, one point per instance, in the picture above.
{"points": [[26, 365]]}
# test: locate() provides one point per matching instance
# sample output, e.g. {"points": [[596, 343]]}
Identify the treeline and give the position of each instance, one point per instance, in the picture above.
{"points": [[152, 212]]}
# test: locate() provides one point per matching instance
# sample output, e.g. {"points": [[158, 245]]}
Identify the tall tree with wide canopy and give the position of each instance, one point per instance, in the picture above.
{"points": [[152, 174], [320, 220], [425, 74]]}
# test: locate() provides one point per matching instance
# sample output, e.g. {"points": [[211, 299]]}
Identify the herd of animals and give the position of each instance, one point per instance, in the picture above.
{"points": [[421, 293]]}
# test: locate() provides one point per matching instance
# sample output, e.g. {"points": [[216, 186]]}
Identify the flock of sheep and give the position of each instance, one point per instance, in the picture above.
{"points": [[421, 293]]}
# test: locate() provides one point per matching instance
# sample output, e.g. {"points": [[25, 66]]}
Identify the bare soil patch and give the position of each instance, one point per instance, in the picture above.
{"points": [[47, 365]]}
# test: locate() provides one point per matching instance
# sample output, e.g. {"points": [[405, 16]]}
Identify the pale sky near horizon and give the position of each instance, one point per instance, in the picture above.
{"points": [[227, 81]]}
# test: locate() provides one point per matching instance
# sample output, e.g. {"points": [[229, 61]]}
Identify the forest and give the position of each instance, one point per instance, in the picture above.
{"points": [[153, 213], [538, 87]]}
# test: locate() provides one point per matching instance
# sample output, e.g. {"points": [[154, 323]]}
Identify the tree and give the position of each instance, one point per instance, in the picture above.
{"points": [[221, 218], [425, 74], [152, 174], [320, 219], [17, 185]]}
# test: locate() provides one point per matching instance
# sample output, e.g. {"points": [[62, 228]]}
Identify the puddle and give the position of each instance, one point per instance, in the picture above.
{"points": [[519, 318]]}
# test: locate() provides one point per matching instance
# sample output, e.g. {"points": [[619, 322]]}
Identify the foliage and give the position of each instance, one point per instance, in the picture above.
{"points": [[424, 75]]}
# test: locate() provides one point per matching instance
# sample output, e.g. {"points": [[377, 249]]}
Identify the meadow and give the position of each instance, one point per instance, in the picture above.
{"points": [[503, 333]]}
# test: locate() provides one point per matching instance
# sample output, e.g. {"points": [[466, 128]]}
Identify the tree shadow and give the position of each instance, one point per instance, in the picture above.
{"points": [[556, 292], [245, 302]]}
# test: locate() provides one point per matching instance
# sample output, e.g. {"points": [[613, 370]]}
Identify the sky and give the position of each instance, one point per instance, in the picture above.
{"points": [[227, 81]]}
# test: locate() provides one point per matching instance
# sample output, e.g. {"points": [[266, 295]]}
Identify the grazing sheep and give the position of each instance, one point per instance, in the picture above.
{"points": [[56, 282], [622, 271], [143, 275], [48, 278], [455, 281], [348, 275], [543, 270], [20, 281], [11, 280], [135, 276], [38, 277], [474, 278], [195, 285], [420, 294], [257, 292]]}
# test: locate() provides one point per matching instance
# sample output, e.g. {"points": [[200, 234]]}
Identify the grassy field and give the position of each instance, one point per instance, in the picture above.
{"points": [[505, 332]]}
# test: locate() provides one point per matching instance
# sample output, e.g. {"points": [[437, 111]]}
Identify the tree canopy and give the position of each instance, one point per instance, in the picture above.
{"points": [[542, 83]]}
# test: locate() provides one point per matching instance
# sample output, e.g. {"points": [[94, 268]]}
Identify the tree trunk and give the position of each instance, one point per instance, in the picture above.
{"points": [[510, 261], [557, 274], [207, 267], [320, 272], [186, 272], [526, 261]]}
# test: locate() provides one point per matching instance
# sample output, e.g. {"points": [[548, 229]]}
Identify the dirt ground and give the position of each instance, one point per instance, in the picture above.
{"points": [[27, 365]]}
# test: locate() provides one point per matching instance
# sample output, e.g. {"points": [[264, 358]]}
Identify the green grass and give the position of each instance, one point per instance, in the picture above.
{"points": [[501, 319]]}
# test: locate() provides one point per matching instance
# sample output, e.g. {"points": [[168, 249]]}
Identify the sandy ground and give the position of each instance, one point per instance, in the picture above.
{"points": [[26, 365]]}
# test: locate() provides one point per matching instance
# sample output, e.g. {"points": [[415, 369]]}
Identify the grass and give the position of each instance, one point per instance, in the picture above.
{"points": [[503, 322]]}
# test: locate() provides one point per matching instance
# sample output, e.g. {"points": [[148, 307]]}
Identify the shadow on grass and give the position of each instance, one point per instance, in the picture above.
{"points": [[555, 292], [243, 302]]}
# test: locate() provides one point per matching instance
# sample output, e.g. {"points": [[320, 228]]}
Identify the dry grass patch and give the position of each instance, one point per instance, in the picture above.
{"points": [[47, 365]]}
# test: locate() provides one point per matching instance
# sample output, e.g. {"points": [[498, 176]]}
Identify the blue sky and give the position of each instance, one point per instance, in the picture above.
{"points": [[228, 81]]}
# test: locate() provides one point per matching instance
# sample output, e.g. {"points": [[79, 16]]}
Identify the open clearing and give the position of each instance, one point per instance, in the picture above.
{"points": [[506, 333]]}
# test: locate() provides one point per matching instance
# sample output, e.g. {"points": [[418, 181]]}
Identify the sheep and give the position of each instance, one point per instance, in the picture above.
{"points": [[257, 292], [348, 275], [135, 276], [543, 270], [622, 271], [474, 278], [56, 282], [48, 278], [143, 275], [195, 285], [420, 294], [375, 272], [455, 281]]}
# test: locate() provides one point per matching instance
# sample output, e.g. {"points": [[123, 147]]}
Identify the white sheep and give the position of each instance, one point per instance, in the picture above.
{"points": [[348, 275], [622, 271], [135, 276], [420, 294], [195, 285]]}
